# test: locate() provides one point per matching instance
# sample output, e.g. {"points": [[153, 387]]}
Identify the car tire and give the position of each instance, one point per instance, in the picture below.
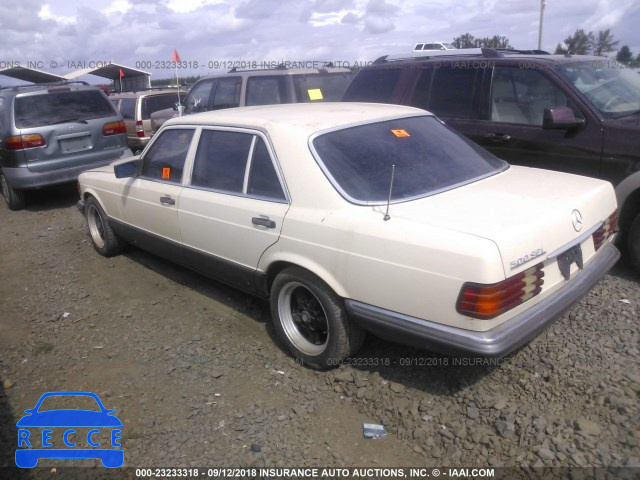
{"points": [[310, 318], [105, 240], [15, 198], [633, 242]]}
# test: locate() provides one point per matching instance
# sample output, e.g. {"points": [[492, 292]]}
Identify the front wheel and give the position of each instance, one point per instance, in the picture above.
{"points": [[311, 319], [105, 240], [633, 242], [15, 198]]}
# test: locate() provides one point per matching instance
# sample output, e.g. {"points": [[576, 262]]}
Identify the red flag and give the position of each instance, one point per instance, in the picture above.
{"points": [[175, 57], [121, 73]]}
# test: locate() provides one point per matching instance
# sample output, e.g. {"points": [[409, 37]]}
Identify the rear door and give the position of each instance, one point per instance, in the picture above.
{"points": [[76, 125], [234, 207]]}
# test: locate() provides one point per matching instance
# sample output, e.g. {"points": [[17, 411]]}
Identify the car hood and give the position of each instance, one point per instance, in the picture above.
{"points": [[69, 418], [521, 210]]}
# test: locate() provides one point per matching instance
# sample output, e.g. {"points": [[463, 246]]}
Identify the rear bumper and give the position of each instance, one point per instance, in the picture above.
{"points": [[498, 341], [22, 178]]}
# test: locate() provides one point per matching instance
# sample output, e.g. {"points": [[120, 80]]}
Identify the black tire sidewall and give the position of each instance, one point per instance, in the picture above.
{"points": [[633, 243], [15, 199], [337, 344]]}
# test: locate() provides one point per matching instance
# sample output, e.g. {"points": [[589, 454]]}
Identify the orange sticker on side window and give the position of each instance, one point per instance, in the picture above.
{"points": [[166, 173], [400, 133]]}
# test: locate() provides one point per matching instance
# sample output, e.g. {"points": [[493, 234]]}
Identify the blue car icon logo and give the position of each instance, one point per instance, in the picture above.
{"points": [[63, 433]]}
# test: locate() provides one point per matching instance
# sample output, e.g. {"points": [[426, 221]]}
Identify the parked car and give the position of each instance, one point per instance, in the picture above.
{"points": [[49, 134], [576, 114], [136, 109], [354, 217], [421, 46], [239, 88]]}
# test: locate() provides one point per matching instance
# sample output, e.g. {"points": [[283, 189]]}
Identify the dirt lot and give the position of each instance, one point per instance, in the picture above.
{"points": [[194, 371]]}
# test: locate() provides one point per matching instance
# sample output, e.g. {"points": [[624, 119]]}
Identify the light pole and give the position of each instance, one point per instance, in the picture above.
{"points": [[542, 4]]}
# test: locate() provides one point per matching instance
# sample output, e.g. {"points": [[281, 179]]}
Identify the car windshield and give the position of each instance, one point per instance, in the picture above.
{"points": [[611, 88], [61, 107], [426, 158]]}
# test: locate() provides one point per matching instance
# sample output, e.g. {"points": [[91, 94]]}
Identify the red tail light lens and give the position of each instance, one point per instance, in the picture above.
{"points": [[489, 301], [606, 230], [18, 142], [114, 128], [139, 128]]}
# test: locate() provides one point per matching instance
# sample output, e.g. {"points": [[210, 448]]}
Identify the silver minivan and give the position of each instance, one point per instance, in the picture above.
{"points": [[50, 134]]}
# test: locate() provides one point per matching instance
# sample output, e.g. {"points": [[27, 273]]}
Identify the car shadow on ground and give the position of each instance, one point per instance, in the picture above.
{"points": [[412, 367], [8, 440], [623, 268], [52, 198]]}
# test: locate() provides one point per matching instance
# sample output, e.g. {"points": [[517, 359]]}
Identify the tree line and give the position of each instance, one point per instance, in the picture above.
{"points": [[580, 43]]}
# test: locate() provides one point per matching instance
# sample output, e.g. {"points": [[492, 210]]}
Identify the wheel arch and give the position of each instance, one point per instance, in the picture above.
{"points": [[278, 265], [628, 195]]}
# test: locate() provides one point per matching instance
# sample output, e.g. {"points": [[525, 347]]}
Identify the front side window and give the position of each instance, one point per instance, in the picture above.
{"points": [[520, 95], [236, 162], [425, 156], [165, 159], [198, 98]]}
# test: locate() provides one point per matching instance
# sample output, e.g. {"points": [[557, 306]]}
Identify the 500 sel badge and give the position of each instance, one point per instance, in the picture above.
{"points": [[59, 436]]}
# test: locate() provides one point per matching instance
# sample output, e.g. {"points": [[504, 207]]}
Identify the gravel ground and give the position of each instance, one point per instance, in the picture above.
{"points": [[194, 371]]}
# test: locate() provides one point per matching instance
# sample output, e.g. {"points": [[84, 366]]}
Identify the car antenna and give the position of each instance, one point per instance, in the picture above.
{"points": [[386, 214]]}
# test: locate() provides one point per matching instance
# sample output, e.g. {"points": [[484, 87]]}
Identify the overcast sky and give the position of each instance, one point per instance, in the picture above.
{"points": [[65, 33]]}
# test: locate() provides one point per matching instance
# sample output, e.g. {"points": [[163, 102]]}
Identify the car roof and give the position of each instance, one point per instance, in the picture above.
{"points": [[149, 92], [311, 117], [37, 89], [485, 54]]}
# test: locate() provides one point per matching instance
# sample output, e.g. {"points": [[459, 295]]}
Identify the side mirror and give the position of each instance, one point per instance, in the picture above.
{"points": [[126, 169], [180, 109], [560, 118]]}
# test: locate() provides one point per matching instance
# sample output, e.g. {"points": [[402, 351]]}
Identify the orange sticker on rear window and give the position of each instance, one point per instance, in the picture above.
{"points": [[400, 133], [166, 173]]}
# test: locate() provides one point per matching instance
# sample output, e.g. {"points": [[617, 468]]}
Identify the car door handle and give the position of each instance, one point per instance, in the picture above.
{"points": [[263, 222], [498, 137], [167, 201]]}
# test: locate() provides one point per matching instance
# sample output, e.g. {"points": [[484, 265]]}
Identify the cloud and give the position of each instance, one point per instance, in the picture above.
{"points": [[258, 9], [377, 25]]}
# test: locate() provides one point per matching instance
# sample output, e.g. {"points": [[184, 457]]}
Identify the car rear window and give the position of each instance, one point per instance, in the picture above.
{"points": [[426, 158], [375, 85], [154, 103], [61, 107], [327, 87]]}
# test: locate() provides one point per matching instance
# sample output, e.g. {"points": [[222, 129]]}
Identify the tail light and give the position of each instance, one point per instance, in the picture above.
{"points": [[139, 128], [489, 301], [114, 128], [605, 231], [18, 142]]}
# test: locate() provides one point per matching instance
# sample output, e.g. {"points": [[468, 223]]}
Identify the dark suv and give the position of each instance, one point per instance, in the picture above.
{"points": [[577, 114], [50, 134], [239, 88]]}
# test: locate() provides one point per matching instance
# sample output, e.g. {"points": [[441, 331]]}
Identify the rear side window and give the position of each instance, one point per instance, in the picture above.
{"points": [[425, 156], [327, 87], [267, 90], [375, 85], [154, 103], [227, 93], [165, 159], [61, 107], [236, 162], [452, 92]]}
